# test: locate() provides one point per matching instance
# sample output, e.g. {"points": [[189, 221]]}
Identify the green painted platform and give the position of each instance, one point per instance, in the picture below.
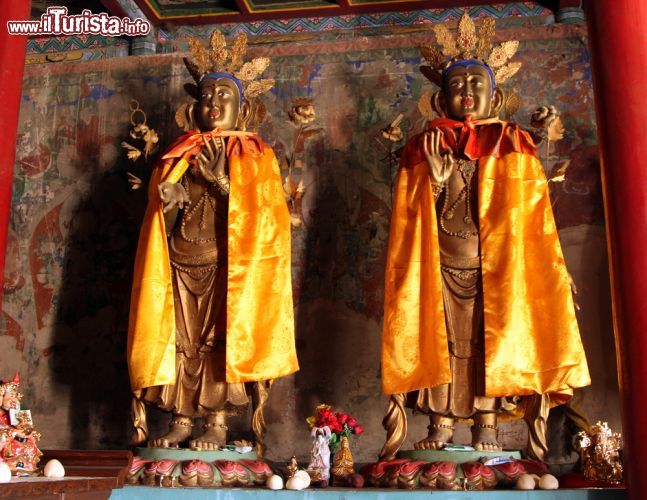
{"points": [[183, 454], [458, 456], [153, 493]]}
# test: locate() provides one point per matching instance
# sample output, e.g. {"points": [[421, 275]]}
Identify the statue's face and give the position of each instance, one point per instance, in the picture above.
{"points": [[219, 105], [9, 401], [468, 91]]}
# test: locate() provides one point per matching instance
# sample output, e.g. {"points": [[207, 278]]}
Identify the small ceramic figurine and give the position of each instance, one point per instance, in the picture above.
{"points": [[343, 465], [600, 453], [18, 439], [20, 449], [292, 467], [319, 467], [9, 398]]}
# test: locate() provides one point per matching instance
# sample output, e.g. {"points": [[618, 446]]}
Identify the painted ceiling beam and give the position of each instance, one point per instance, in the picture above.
{"points": [[124, 8], [247, 11], [242, 7]]}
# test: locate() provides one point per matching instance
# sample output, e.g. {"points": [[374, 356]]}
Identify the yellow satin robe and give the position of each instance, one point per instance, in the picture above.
{"points": [[260, 319], [532, 341]]}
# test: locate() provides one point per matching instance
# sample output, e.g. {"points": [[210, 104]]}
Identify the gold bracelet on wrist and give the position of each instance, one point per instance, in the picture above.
{"points": [[223, 184]]}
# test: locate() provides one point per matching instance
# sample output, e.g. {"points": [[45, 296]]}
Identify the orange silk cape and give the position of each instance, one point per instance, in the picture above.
{"points": [[260, 323], [532, 341]]}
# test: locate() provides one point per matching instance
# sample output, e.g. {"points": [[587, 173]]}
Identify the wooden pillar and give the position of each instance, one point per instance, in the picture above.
{"points": [[12, 65], [618, 43]]}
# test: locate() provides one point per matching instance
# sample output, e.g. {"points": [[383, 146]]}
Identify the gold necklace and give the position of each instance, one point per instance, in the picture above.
{"points": [[206, 201], [467, 169]]}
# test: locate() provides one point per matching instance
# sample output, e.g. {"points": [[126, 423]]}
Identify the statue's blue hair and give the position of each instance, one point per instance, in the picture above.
{"points": [[215, 76]]}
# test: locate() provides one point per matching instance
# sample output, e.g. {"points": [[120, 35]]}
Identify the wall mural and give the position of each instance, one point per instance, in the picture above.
{"points": [[75, 223]]}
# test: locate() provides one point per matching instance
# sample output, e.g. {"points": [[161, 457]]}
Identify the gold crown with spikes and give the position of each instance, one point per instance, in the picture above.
{"points": [[469, 45], [218, 58]]}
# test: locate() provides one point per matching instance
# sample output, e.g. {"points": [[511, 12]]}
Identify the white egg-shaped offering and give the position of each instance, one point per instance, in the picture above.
{"points": [[5, 473], [525, 482], [275, 482], [300, 481], [304, 476], [54, 469], [294, 483], [548, 482]]}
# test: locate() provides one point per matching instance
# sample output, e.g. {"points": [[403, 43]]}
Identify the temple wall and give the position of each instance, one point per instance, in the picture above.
{"points": [[75, 222]]}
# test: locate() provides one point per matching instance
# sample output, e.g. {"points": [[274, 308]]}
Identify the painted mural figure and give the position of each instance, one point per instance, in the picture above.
{"points": [[211, 318], [479, 318]]}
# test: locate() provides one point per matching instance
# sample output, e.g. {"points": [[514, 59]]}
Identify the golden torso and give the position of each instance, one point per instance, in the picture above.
{"points": [[457, 213], [202, 226]]}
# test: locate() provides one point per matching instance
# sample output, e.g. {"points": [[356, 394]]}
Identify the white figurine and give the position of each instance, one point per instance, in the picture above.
{"points": [[320, 455]]}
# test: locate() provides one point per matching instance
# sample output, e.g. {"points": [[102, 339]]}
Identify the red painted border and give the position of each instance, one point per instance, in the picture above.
{"points": [[12, 66], [618, 43]]}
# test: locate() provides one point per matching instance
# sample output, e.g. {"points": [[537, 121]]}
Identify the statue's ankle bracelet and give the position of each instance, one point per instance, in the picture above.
{"points": [[182, 422], [484, 426], [440, 426]]}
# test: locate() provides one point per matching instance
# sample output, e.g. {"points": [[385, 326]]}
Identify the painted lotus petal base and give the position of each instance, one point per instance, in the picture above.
{"points": [[180, 467], [442, 470]]}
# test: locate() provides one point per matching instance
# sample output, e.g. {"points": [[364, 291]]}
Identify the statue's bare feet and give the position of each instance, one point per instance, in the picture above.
{"points": [[215, 434], [212, 439], [484, 433], [180, 431], [441, 432]]}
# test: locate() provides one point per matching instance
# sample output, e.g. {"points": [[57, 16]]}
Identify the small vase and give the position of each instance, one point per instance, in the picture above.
{"points": [[343, 464]]}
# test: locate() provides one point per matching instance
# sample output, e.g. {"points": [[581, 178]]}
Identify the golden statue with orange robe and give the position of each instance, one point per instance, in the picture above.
{"points": [[211, 317], [479, 317]]}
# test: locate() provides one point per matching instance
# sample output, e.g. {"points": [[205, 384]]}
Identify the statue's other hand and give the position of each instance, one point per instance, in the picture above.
{"points": [[440, 166], [212, 163], [213, 155], [543, 116], [134, 181], [548, 121], [172, 195]]}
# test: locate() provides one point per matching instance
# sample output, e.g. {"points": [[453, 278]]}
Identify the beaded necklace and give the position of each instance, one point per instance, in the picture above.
{"points": [[467, 169], [206, 202]]}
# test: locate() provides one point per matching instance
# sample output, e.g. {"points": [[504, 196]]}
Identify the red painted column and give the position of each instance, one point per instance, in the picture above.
{"points": [[12, 65], [618, 43]]}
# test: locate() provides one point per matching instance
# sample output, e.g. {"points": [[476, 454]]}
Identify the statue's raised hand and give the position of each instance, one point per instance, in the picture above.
{"points": [[172, 196], [440, 166], [211, 162]]}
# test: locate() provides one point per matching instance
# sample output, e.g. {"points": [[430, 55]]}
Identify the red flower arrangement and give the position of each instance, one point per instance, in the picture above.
{"points": [[340, 424]]}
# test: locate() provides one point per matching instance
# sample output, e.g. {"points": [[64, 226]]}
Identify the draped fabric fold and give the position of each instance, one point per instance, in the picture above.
{"points": [[191, 142], [414, 340], [532, 341], [260, 324], [472, 139]]}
